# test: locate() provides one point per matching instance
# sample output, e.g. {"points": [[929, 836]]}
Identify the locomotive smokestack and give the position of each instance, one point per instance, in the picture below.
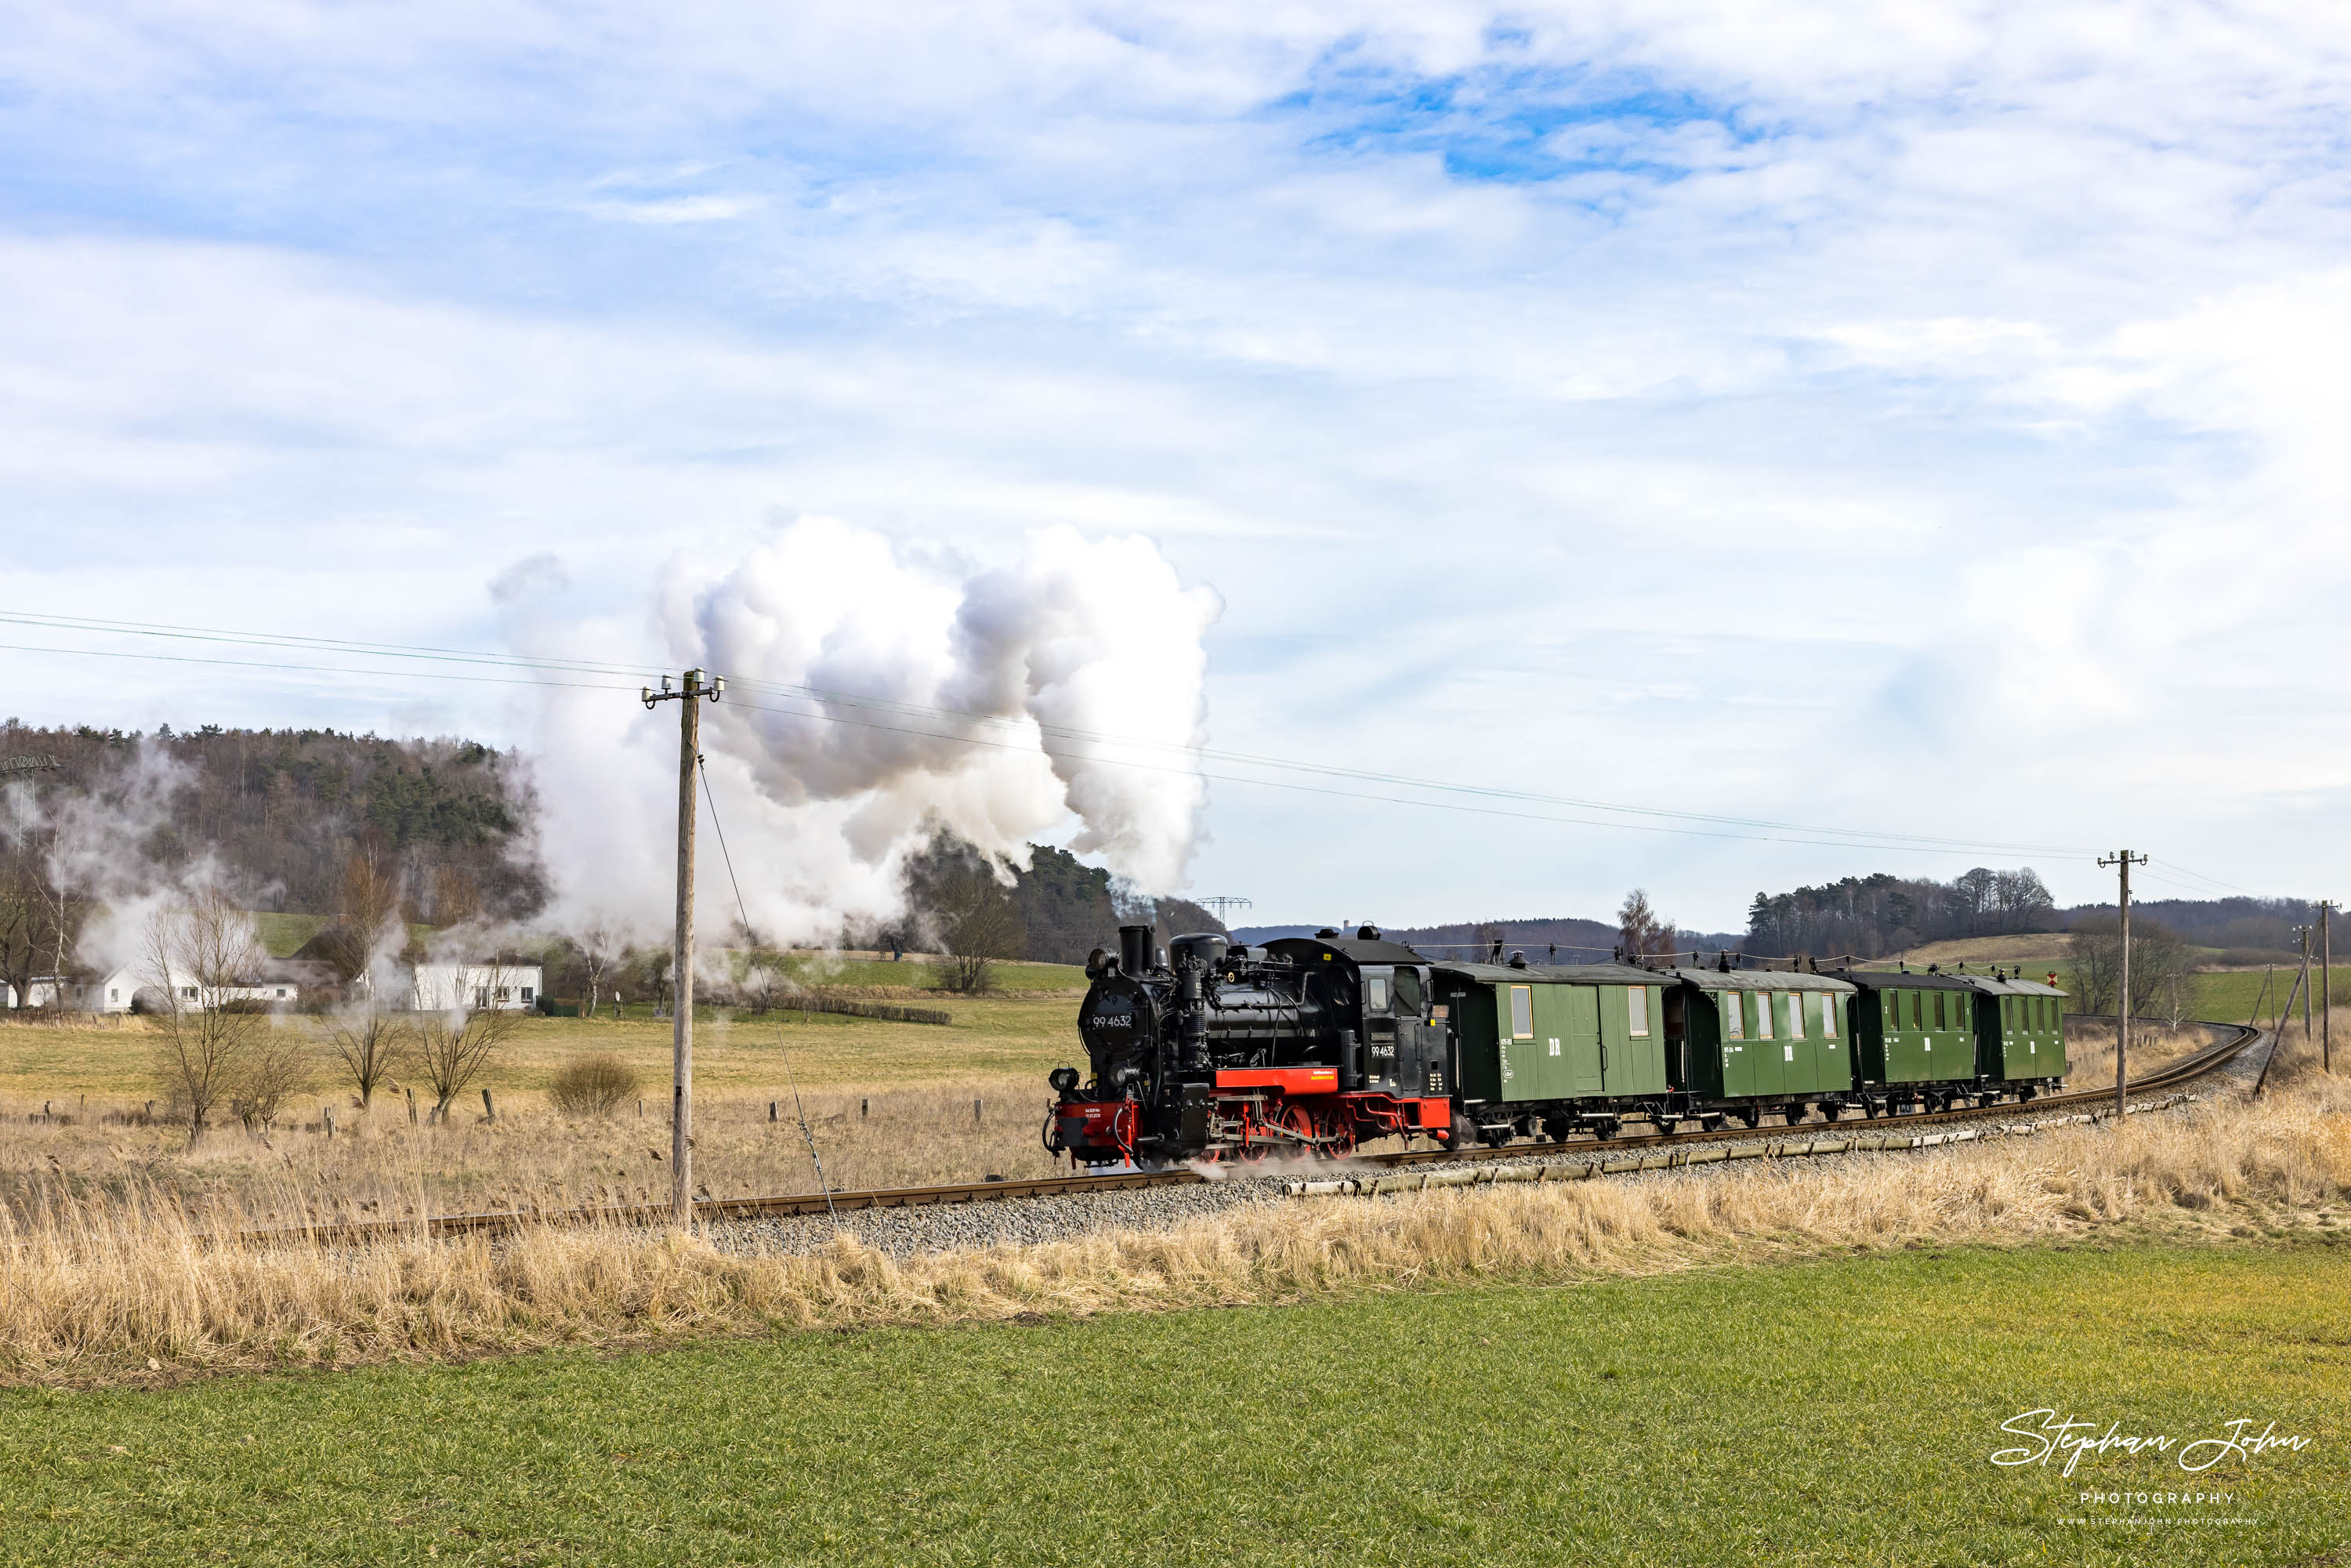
{"points": [[1134, 949]]}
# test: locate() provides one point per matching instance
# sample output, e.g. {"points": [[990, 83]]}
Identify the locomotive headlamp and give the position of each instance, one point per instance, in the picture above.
{"points": [[1062, 1080]]}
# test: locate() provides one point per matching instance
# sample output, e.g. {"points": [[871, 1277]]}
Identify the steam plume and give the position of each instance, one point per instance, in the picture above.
{"points": [[880, 692]]}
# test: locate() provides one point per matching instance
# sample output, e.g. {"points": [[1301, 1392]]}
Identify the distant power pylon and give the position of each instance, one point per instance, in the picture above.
{"points": [[1222, 906]]}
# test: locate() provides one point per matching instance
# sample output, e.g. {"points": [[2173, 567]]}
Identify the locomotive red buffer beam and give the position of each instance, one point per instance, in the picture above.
{"points": [[1083, 1124]]}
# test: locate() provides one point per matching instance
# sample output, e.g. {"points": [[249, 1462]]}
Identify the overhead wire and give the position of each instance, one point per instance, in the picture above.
{"points": [[1027, 726], [1033, 734]]}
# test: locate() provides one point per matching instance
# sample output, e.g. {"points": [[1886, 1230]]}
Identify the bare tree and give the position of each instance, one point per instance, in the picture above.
{"points": [[40, 917], [200, 954], [2163, 967], [370, 890], [1641, 928], [955, 890], [453, 1042], [457, 897], [23, 919], [766, 981], [276, 1067], [371, 1042], [599, 947]]}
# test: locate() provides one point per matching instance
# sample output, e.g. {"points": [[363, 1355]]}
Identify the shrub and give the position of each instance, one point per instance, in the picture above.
{"points": [[594, 1086]]}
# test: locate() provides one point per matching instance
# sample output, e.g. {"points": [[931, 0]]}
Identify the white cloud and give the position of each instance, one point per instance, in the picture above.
{"points": [[1883, 389]]}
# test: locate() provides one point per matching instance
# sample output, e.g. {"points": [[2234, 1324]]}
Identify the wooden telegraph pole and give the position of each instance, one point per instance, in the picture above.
{"points": [[2125, 860], [689, 755]]}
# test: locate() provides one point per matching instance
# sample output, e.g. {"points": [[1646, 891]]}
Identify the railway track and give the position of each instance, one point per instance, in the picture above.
{"points": [[496, 1222]]}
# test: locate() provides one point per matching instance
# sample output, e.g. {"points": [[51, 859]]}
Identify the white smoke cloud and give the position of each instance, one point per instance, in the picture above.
{"points": [[877, 691], [97, 849]]}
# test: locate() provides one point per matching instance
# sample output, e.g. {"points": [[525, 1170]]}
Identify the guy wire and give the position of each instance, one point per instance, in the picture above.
{"points": [[744, 911]]}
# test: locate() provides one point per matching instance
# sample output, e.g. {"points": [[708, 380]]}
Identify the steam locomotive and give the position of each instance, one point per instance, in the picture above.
{"points": [[1310, 1046]]}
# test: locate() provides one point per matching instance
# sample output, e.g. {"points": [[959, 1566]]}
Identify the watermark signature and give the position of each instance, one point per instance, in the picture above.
{"points": [[2050, 1437]]}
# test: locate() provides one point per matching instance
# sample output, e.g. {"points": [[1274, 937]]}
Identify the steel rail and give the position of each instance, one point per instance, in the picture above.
{"points": [[497, 1222]]}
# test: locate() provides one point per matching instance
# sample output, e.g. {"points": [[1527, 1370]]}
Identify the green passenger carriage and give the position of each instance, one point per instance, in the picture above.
{"points": [[1555, 1046], [1748, 1042]]}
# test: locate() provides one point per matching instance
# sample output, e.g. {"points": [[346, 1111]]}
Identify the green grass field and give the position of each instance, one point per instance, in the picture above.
{"points": [[1840, 1411]]}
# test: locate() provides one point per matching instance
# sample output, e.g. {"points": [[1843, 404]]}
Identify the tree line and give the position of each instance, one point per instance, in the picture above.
{"points": [[1871, 916]]}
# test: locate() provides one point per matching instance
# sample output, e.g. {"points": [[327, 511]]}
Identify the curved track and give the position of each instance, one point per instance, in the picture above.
{"points": [[2240, 1038]]}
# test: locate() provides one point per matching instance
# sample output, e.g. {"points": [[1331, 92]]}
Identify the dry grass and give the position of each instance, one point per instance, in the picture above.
{"points": [[1023, 1035], [2090, 1050], [95, 1286], [380, 1165]]}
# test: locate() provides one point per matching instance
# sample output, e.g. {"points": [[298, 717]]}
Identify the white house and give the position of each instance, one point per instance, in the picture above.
{"points": [[112, 992], [42, 991], [489, 984]]}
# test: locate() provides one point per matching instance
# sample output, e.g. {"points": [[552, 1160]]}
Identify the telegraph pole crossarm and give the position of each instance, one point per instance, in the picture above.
{"points": [[2124, 859], [689, 754]]}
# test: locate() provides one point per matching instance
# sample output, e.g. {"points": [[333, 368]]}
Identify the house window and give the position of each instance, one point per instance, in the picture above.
{"points": [[1734, 1022], [1764, 1016], [1636, 1002], [1828, 1017], [188, 993], [481, 996], [504, 994], [281, 990], [1795, 1015], [1523, 1012], [526, 993], [113, 995]]}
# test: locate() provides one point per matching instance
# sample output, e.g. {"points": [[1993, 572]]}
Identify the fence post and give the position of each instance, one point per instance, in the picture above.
{"points": [[862, 1105], [771, 1110], [974, 1110], [489, 1112], [327, 1115], [411, 1106]]}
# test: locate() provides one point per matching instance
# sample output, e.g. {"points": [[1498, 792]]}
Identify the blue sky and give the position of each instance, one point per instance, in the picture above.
{"points": [[1924, 419]]}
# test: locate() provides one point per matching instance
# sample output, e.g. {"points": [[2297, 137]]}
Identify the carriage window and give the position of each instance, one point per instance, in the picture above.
{"points": [[1795, 1015], [1763, 1015], [1828, 1017], [1918, 1009], [1523, 1012], [1938, 1010], [1733, 1023], [1636, 1003], [1407, 990], [1375, 993]]}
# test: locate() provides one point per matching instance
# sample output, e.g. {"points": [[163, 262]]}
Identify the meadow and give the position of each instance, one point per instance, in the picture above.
{"points": [[1838, 1411]]}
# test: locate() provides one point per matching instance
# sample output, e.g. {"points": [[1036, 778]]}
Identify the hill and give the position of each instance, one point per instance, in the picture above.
{"points": [[1576, 940]]}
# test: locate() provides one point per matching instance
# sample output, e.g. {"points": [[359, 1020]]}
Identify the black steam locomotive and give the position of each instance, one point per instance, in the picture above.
{"points": [[1302, 1045], [1308, 1046]]}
